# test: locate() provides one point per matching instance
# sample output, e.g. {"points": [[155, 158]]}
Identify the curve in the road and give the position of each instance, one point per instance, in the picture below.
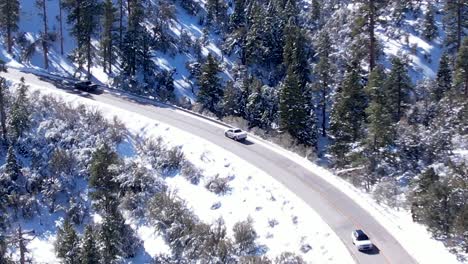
{"points": [[340, 212]]}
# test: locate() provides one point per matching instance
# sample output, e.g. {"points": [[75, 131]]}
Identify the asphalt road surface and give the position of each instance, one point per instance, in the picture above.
{"points": [[340, 212]]}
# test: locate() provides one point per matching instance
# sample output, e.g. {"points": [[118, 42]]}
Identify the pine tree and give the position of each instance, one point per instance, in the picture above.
{"points": [[231, 99], [379, 119], [132, 41], [3, 117], [12, 169], [107, 35], [83, 16], [348, 114], [211, 92], [67, 243], [295, 105], [371, 10], [89, 253], [461, 68], [110, 235], [102, 176], [455, 23], [9, 18], [253, 48], [397, 88], [316, 13], [45, 35], [444, 78], [323, 71], [429, 27], [19, 116]]}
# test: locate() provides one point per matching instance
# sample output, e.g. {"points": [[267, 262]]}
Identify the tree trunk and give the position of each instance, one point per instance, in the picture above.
{"points": [[46, 36], [2, 109], [88, 55], [372, 40], [9, 40], [459, 23], [324, 110], [61, 27], [121, 23]]}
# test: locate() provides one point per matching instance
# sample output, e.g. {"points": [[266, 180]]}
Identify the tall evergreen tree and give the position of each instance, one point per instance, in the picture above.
{"points": [[9, 18], [455, 23], [397, 88], [132, 41], [295, 104], [371, 10], [461, 67], [12, 169], [429, 27], [89, 252], [324, 72], [3, 117], [110, 235], [379, 119], [211, 92], [67, 243], [102, 176], [42, 5], [19, 116], [348, 114], [107, 35], [443, 79], [83, 16]]}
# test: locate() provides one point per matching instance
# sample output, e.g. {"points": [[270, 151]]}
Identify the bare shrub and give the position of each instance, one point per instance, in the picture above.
{"points": [[254, 260], [244, 237], [61, 161], [171, 160], [289, 258], [218, 185], [190, 172]]}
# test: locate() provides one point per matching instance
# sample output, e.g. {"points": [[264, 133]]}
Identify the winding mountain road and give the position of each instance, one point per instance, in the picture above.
{"points": [[339, 211]]}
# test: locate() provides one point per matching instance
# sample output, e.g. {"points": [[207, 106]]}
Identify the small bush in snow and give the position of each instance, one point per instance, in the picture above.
{"points": [[289, 258], [61, 161], [171, 160], [218, 185], [244, 237], [254, 260], [191, 172]]}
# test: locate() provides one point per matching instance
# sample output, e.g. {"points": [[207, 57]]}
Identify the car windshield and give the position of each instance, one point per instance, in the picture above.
{"points": [[237, 131], [361, 236]]}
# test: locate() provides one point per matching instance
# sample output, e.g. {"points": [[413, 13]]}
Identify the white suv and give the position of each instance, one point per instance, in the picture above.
{"points": [[236, 134], [361, 240]]}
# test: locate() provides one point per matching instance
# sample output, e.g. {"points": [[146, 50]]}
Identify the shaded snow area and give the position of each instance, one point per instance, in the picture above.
{"points": [[281, 220]]}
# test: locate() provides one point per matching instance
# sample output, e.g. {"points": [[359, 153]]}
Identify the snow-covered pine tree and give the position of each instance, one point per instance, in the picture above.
{"points": [[455, 23], [461, 68], [102, 176], [348, 114], [380, 127], [397, 87], [89, 252], [324, 72], [9, 18], [19, 116], [443, 79], [211, 92], [108, 34], [67, 243], [429, 27], [3, 117]]}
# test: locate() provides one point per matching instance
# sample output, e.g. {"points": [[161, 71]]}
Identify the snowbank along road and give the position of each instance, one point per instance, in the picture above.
{"points": [[340, 212]]}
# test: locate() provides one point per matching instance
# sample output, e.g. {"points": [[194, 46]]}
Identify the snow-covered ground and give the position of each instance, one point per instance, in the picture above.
{"points": [[283, 222]]}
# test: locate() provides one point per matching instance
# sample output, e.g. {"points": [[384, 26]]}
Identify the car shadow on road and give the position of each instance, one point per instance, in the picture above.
{"points": [[246, 142], [375, 251]]}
